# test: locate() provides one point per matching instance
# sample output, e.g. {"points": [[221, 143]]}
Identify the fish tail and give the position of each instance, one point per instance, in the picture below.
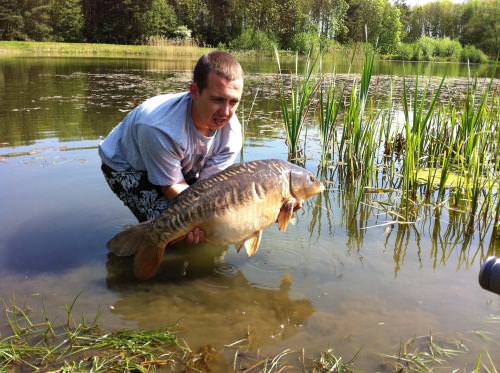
{"points": [[148, 251], [147, 260]]}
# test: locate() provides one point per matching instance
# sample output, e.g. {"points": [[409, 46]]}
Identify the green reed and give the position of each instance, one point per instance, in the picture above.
{"points": [[295, 102], [355, 145], [330, 102], [417, 129]]}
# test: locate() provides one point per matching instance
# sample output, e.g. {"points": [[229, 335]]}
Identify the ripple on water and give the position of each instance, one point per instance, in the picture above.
{"points": [[281, 256], [226, 269]]}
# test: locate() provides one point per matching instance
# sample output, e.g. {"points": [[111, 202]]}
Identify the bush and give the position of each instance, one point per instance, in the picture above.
{"points": [[425, 47], [303, 42], [182, 32], [405, 52], [447, 48], [472, 54], [250, 39]]}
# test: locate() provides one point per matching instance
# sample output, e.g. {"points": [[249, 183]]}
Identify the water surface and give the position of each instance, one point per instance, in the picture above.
{"points": [[333, 280]]}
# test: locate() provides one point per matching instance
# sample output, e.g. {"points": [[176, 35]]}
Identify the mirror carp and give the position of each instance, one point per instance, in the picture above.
{"points": [[231, 207]]}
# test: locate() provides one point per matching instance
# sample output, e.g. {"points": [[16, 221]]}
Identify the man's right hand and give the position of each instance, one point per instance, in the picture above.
{"points": [[197, 235]]}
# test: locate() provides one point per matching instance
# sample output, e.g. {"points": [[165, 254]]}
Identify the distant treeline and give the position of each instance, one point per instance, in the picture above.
{"points": [[253, 24]]}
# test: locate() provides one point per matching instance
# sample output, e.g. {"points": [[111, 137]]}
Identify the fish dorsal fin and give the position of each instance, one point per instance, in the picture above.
{"points": [[252, 243], [286, 213]]}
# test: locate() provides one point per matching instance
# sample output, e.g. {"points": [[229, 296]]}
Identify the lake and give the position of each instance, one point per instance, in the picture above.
{"points": [[336, 279]]}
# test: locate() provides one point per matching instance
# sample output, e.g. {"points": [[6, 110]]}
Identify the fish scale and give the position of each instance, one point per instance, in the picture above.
{"points": [[233, 206]]}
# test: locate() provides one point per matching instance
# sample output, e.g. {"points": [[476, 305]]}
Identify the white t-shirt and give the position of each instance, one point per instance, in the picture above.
{"points": [[159, 137]]}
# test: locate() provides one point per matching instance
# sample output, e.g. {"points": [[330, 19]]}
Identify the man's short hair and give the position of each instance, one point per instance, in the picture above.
{"points": [[221, 63]]}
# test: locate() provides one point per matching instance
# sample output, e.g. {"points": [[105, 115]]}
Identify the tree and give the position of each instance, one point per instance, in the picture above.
{"points": [[404, 17], [378, 19], [114, 21], [11, 21], [160, 19], [329, 16], [482, 25], [36, 15], [389, 33], [66, 20]]}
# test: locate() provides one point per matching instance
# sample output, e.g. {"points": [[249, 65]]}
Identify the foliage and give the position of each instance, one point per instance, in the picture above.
{"points": [[291, 24], [472, 54], [159, 20], [473, 22], [447, 48], [250, 39], [428, 49], [11, 21], [375, 21], [303, 42], [66, 18], [330, 16], [36, 16], [482, 25], [182, 32]]}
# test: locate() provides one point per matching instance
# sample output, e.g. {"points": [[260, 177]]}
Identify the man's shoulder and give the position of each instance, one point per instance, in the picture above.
{"points": [[163, 110], [164, 102]]}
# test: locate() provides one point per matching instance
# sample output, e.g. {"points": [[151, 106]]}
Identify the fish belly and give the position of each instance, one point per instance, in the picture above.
{"points": [[236, 225]]}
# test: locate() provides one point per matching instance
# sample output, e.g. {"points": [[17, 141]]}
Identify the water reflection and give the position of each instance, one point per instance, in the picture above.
{"points": [[192, 291], [440, 234]]}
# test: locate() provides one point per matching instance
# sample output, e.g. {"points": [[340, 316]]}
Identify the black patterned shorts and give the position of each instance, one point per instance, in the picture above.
{"points": [[145, 200]]}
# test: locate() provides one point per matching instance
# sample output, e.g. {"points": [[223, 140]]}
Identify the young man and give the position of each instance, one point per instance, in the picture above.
{"points": [[170, 141]]}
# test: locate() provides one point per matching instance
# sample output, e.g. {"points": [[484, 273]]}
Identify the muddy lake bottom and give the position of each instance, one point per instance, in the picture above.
{"points": [[328, 282]]}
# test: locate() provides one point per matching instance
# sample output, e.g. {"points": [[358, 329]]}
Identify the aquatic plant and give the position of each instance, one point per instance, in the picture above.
{"points": [[296, 107], [39, 344], [423, 353], [417, 128], [329, 106]]}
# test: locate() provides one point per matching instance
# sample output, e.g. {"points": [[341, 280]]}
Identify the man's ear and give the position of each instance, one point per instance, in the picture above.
{"points": [[193, 89]]}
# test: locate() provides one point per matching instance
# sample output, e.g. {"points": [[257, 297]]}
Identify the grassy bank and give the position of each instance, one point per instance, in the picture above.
{"points": [[25, 48]]}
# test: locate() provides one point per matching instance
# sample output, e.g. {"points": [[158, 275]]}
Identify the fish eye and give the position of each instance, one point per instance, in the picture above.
{"points": [[311, 178]]}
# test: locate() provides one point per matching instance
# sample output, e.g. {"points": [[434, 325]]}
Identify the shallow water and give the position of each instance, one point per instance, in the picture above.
{"points": [[326, 283]]}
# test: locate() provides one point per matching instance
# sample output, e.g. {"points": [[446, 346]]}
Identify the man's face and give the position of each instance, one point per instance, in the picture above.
{"points": [[215, 105]]}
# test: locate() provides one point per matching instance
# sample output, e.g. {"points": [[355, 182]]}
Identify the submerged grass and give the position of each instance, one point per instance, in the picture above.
{"points": [[38, 344], [423, 354]]}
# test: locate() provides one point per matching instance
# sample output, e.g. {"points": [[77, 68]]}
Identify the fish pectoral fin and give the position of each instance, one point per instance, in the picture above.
{"points": [[286, 213], [252, 243]]}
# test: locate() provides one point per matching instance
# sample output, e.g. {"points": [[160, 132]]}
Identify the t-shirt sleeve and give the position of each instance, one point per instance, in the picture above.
{"points": [[161, 156], [226, 154]]}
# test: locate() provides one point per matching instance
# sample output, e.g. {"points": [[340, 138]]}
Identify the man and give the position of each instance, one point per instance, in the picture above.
{"points": [[170, 141]]}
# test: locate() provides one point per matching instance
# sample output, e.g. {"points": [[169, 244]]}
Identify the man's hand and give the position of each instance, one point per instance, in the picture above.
{"points": [[197, 235]]}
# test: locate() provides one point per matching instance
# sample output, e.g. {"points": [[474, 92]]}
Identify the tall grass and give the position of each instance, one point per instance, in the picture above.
{"points": [[160, 49], [295, 102], [330, 102], [417, 129]]}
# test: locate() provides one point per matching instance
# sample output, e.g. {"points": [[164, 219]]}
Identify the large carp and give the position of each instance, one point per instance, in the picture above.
{"points": [[233, 206]]}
